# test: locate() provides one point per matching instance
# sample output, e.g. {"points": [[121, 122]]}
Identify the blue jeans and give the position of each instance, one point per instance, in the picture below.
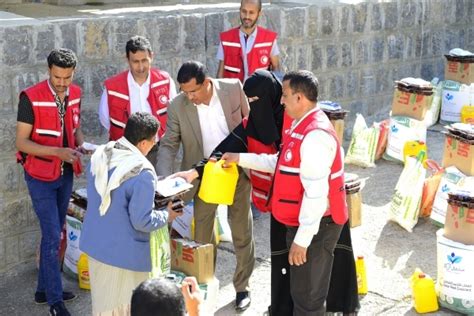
{"points": [[50, 202]]}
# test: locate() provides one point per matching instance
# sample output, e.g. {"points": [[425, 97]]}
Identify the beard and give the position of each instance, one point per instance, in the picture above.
{"points": [[248, 26]]}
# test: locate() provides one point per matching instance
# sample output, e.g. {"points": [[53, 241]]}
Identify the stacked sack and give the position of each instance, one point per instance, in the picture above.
{"points": [[458, 89]]}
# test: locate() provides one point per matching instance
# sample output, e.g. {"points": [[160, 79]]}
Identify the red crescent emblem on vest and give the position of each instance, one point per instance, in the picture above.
{"points": [[264, 59], [164, 99], [76, 119], [288, 155]]}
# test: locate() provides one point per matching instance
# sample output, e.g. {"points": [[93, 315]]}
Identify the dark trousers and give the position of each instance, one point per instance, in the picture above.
{"points": [[309, 283], [50, 201]]}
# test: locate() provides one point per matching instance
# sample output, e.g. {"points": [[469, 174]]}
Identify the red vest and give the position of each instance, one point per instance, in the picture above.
{"points": [[118, 99], [47, 130], [257, 58], [261, 181], [288, 190]]}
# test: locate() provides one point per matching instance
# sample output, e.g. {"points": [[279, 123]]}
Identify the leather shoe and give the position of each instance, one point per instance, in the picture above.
{"points": [[40, 297], [242, 301]]}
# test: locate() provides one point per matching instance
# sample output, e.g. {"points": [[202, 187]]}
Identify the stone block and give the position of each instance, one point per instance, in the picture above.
{"points": [[3, 261], [332, 55], [355, 107], [437, 47], [345, 25], [295, 19], [376, 21], [336, 87], [287, 56], [316, 58], [27, 244], [94, 38], [407, 13], [323, 87], [377, 49], [232, 19], [302, 57], [123, 30], [422, 44], [18, 42], [460, 10], [448, 11], [170, 35], [395, 46], [409, 50], [81, 78], [15, 215], [98, 73], [43, 40], [383, 84], [272, 17], [313, 22], [361, 52], [68, 34], [427, 71], [327, 20], [470, 39], [10, 175], [23, 80], [359, 17], [12, 254], [367, 82], [194, 32], [352, 84], [390, 11], [6, 101], [214, 25], [90, 123], [346, 54], [7, 133]]}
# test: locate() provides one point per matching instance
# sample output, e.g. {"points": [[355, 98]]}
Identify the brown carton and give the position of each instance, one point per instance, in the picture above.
{"points": [[193, 259], [459, 154], [460, 72], [339, 127], [354, 206], [459, 225], [410, 104]]}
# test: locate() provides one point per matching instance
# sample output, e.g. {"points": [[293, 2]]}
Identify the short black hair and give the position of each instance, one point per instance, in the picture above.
{"points": [[305, 82], [157, 297], [62, 57], [259, 3], [192, 69], [140, 126], [136, 43]]}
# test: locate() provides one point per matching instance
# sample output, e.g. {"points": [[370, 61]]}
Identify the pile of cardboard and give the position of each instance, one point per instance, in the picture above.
{"points": [[412, 98]]}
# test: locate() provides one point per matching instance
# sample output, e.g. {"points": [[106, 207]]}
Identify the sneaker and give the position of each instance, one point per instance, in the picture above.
{"points": [[58, 309], [242, 301], [40, 297]]}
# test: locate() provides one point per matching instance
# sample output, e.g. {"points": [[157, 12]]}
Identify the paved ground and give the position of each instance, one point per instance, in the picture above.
{"points": [[391, 256]]}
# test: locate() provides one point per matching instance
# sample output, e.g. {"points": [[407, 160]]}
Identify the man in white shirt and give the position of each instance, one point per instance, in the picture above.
{"points": [[139, 89], [308, 191], [248, 47], [199, 118]]}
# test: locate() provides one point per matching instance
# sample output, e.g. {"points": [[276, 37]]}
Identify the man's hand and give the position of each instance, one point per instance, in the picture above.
{"points": [[188, 175], [297, 255], [230, 158], [192, 295], [173, 213], [67, 154]]}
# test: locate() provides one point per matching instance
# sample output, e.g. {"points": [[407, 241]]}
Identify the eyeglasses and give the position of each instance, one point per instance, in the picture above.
{"points": [[193, 92]]}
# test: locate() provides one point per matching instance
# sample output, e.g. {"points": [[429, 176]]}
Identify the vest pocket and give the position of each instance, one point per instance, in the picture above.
{"points": [[42, 168]]}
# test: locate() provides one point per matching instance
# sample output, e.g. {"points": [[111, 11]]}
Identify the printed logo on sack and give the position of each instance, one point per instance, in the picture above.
{"points": [[445, 188], [394, 128], [453, 263], [72, 236], [449, 96]]}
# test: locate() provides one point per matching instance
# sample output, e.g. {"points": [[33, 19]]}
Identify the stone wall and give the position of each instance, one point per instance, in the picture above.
{"points": [[357, 51]]}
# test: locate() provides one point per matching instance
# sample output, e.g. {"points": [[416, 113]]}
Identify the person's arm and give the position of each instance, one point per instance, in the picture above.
{"points": [[259, 162], [220, 58], [275, 58], [317, 155], [104, 117], [172, 92], [169, 144]]}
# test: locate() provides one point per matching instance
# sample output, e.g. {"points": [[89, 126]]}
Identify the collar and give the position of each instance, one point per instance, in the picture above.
{"points": [[54, 92], [253, 34], [214, 94], [131, 80], [297, 122]]}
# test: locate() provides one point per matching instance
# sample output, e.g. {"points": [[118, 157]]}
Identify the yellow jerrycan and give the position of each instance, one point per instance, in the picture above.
{"points": [[413, 148], [423, 293], [83, 272], [218, 183], [361, 275]]}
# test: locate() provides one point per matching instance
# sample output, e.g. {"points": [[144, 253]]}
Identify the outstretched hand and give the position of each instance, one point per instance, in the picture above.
{"points": [[188, 175], [192, 295], [230, 158]]}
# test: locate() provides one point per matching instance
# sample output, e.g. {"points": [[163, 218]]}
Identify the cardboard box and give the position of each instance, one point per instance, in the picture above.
{"points": [[193, 259], [339, 127], [459, 154], [459, 225], [354, 206], [460, 72], [410, 104]]}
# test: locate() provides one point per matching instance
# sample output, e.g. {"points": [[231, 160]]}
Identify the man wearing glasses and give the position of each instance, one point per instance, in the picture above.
{"points": [[199, 118], [139, 89]]}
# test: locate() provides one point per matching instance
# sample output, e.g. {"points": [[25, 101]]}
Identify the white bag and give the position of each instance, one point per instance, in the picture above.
{"points": [[403, 129], [73, 231], [432, 115], [455, 96], [363, 144]]}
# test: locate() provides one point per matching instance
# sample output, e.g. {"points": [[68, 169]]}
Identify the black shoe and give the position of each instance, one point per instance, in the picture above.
{"points": [[242, 301], [40, 297], [58, 309]]}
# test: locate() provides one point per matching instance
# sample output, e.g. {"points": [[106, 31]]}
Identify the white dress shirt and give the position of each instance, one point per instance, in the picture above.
{"points": [[138, 99], [246, 48], [213, 123], [317, 153]]}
